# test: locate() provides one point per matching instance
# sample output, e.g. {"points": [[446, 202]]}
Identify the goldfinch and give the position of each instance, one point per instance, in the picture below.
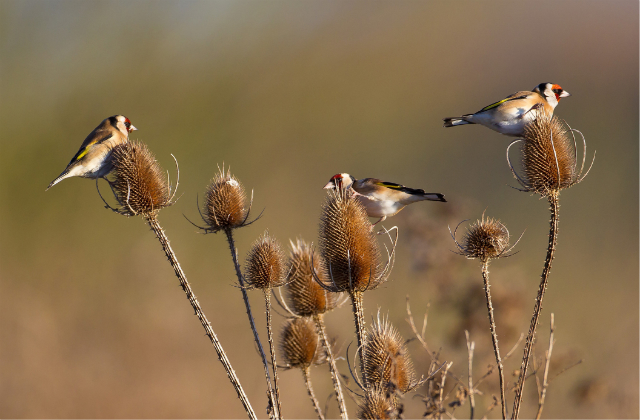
{"points": [[381, 199], [92, 160], [510, 115]]}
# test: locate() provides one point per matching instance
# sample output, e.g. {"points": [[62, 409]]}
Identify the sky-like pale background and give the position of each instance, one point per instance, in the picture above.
{"points": [[92, 321]]}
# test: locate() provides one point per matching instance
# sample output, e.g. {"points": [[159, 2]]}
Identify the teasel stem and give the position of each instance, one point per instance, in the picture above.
{"points": [[361, 332], [553, 238], [312, 395], [267, 301], [164, 241], [335, 375], [256, 337], [494, 336]]}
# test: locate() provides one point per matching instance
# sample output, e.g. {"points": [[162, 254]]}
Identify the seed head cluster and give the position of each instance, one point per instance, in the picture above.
{"points": [[139, 184], [306, 296], [548, 156], [387, 362], [377, 404], [485, 239], [225, 203], [348, 245], [300, 344], [265, 267]]}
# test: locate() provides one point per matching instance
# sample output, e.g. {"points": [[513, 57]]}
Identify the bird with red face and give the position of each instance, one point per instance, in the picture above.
{"points": [[510, 115], [380, 198], [93, 158]]}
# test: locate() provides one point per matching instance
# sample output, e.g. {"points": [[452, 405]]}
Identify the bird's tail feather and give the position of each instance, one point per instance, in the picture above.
{"points": [[434, 197], [453, 121], [62, 176]]}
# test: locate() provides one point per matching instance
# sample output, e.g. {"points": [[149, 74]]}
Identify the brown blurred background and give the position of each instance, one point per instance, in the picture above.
{"points": [[92, 321]]}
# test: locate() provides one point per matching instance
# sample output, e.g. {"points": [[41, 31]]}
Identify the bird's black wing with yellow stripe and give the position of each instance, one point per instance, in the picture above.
{"points": [[394, 186]]}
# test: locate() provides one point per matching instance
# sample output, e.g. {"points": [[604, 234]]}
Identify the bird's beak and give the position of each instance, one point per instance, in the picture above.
{"points": [[329, 186], [132, 128], [564, 94]]}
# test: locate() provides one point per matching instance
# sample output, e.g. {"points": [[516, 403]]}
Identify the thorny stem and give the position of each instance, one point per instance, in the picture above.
{"points": [[494, 336], [256, 337], [545, 378], [314, 400], [332, 365], [470, 347], [272, 350], [164, 241], [358, 313], [553, 238]]}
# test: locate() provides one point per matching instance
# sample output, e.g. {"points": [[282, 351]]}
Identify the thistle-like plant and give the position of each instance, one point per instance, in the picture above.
{"points": [[140, 188], [351, 255], [487, 239], [307, 298], [549, 160], [266, 269], [301, 348]]}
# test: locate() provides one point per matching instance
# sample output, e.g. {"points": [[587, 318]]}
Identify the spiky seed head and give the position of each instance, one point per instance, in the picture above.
{"points": [[306, 296], [348, 245], [140, 184], [300, 344], [387, 362], [265, 267], [485, 239], [376, 404], [225, 203], [548, 156]]}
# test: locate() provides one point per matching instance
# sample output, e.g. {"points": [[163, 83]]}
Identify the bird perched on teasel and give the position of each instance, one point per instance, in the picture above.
{"points": [[380, 198], [93, 158], [510, 115]]}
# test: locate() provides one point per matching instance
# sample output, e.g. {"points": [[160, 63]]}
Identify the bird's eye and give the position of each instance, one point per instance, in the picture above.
{"points": [[127, 124], [557, 91]]}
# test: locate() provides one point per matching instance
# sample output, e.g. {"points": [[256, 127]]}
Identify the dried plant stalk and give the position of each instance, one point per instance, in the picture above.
{"points": [[549, 160], [351, 255], [266, 269], [140, 188], [308, 298]]}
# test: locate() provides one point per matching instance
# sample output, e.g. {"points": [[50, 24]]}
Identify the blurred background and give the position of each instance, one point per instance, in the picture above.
{"points": [[92, 320]]}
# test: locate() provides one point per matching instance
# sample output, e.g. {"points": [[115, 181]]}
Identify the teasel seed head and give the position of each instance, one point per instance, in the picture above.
{"points": [[300, 344], [348, 245], [377, 404], [140, 185], [548, 156], [225, 203], [265, 267], [306, 297], [387, 361], [485, 240]]}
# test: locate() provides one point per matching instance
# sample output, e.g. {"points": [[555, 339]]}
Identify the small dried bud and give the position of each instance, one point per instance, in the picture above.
{"points": [[306, 296], [224, 206], [485, 239], [265, 267], [140, 185], [387, 362], [300, 344], [348, 245], [376, 404], [549, 156]]}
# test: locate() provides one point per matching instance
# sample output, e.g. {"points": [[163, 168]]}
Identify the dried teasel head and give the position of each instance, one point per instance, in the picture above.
{"points": [[265, 267], [300, 344], [387, 362], [225, 203], [306, 297], [377, 404], [549, 156], [348, 246], [485, 239], [139, 184]]}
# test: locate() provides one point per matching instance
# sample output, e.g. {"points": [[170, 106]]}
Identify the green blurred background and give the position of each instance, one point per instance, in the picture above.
{"points": [[92, 321]]}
